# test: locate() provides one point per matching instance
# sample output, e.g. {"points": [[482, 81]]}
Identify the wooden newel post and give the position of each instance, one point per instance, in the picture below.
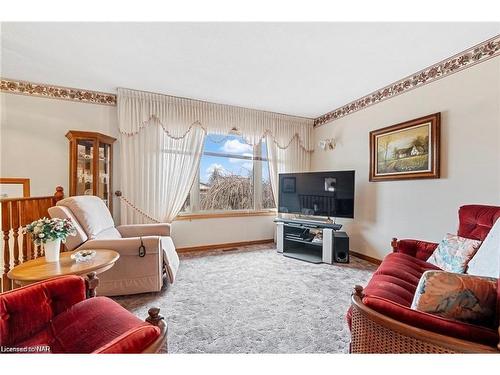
{"points": [[154, 317], [91, 283], [157, 320], [59, 194], [394, 244], [358, 291]]}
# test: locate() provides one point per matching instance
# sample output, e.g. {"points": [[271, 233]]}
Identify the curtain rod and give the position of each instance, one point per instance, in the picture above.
{"points": [[209, 102]]}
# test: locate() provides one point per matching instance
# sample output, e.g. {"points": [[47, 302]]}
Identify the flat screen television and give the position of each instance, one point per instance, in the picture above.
{"points": [[329, 194]]}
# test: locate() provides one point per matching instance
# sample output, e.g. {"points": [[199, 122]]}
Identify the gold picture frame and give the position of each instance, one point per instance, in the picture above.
{"points": [[406, 151]]}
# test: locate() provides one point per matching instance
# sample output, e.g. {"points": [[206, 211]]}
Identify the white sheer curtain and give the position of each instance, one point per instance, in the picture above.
{"points": [[162, 140], [157, 173], [286, 160]]}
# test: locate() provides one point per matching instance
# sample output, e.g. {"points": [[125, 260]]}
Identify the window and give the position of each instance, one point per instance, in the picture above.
{"points": [[233, 175]]}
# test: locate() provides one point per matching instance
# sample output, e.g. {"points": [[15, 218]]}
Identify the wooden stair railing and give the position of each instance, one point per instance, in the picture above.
{"points": [[17, 246]]}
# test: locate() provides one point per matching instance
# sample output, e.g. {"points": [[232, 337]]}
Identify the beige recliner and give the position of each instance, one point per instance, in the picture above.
{"points": [[132, 273]]}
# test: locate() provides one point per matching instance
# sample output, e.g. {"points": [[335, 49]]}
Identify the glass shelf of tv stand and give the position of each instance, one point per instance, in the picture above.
{"points": [[307, 256], [308, 251]]}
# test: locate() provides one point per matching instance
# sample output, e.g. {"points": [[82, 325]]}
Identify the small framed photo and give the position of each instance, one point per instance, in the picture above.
{"points": [[288, 185], [405, 151]]}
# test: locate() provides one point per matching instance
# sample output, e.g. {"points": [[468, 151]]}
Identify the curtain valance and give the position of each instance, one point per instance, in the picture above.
{"points": [[177, 116]]}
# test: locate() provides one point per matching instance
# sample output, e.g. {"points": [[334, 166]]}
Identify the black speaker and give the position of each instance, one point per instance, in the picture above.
{"points": [[340, 247]]}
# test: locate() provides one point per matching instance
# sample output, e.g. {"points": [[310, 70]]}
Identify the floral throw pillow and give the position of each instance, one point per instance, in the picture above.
{"points": [[453, 253], [466, 298]]}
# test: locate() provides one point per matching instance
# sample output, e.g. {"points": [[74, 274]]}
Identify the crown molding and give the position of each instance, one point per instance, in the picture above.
{"points": [[470, 57], [56, 92]]}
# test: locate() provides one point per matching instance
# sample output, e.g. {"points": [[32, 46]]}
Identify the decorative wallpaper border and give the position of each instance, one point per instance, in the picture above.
{"points": [[56, 92], [472, 56]]}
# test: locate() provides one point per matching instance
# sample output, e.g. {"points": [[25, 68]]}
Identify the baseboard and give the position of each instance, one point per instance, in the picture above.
{"points": [[365, 257], [258, 242], [222, 245]]}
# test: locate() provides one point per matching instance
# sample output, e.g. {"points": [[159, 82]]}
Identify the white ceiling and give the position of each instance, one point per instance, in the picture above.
{"points": [[304, 69]]}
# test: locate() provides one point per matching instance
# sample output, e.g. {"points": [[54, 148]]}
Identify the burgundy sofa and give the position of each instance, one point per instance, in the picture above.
{"points": [[392, 287], [55, 314]]}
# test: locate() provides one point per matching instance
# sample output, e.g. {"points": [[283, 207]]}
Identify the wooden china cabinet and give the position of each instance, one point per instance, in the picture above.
{"points": [[91, 164]]}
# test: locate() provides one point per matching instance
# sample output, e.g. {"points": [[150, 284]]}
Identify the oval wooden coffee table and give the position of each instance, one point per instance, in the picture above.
{"points": [[38, 269]]}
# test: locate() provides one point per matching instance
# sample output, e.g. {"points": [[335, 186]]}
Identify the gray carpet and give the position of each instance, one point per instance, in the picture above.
{"points": [[255, 302]]}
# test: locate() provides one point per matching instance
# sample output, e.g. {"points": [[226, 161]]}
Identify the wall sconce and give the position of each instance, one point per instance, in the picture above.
{"points": [[327, 144]]}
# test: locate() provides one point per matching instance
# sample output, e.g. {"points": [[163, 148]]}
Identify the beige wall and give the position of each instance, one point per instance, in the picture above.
{"points": [[224, 230], [33, 141], [33, 145], [469, 102]]}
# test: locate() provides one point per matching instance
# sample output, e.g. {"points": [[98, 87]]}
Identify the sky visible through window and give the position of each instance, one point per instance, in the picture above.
{"points": [[235, 166]]}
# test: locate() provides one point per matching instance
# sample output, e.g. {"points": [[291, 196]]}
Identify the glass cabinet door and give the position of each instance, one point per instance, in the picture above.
{"points": [[90, 170], [104, 163], [85, 167]]}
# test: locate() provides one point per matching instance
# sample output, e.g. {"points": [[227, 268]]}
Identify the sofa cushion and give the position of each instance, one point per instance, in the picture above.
{"points": [[397, 278], [466, 298], [38, 343], [92, 325], [454, 252], [91, 213], [96, 325]]}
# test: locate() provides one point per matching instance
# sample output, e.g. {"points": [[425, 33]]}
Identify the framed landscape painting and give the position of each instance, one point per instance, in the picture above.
{"points": [[408, 150]]}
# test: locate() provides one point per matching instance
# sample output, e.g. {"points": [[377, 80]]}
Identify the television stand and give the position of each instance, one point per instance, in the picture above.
{"points": [[296, 239]]}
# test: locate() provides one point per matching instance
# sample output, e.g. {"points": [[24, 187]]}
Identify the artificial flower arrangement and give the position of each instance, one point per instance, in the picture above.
{"points": [[50, 233], [45, 230]]}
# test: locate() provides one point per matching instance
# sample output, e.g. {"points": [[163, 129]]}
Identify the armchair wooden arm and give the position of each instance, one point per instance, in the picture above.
{"points": [[157, 320], [372, 332]]}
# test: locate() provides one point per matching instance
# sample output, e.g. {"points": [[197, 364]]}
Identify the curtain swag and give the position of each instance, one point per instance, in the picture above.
{"points": [[177, 117]]}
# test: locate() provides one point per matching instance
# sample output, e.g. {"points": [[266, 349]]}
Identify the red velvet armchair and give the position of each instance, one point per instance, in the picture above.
{"points": [[54, 316], [380, 317]]}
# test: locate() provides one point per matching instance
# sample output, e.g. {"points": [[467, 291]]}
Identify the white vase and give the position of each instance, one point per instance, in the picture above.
{"points": [[52, 249]]}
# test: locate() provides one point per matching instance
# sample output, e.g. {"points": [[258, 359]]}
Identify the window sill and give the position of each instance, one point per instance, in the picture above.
{"points": [[218, 215]]}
